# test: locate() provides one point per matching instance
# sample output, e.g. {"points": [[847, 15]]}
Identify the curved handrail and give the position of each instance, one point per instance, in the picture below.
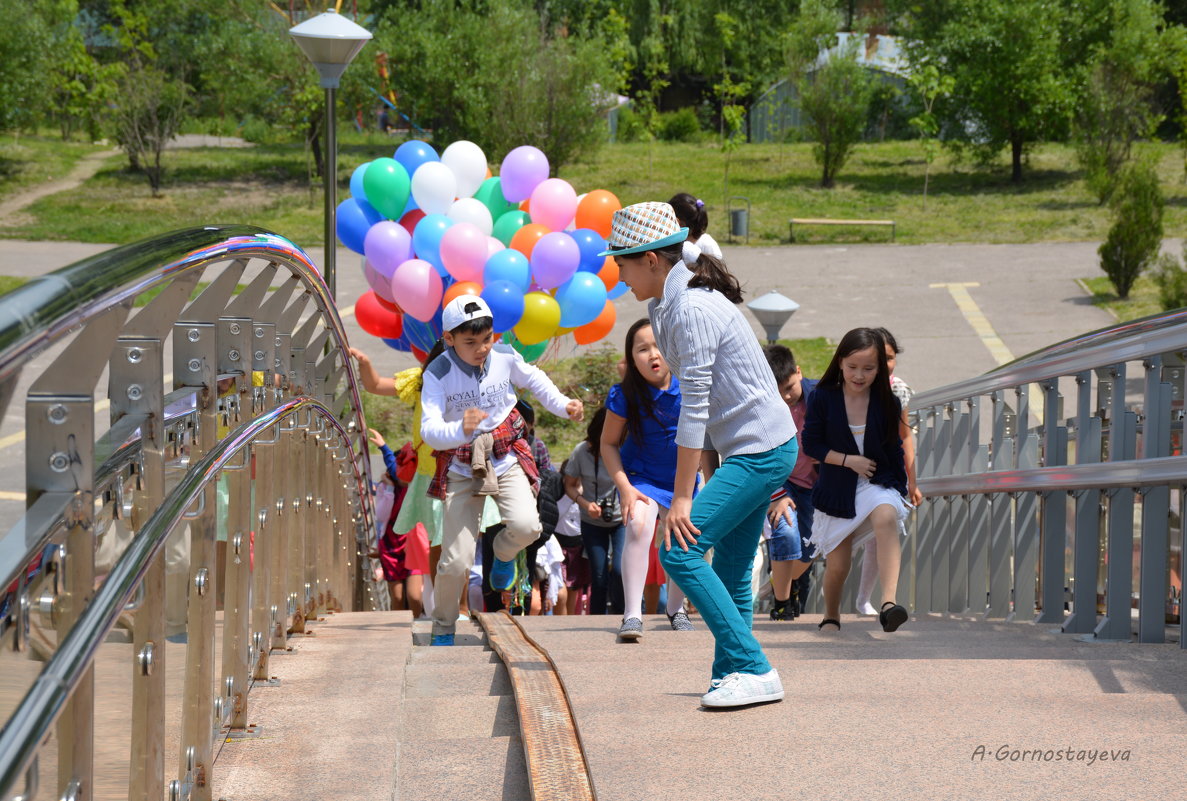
{"points": [[1136, 339], [45, 309], [31, 721]]}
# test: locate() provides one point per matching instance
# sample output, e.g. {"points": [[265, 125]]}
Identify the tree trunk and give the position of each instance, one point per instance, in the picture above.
{"points": [[315, 146], [1016, 154]]}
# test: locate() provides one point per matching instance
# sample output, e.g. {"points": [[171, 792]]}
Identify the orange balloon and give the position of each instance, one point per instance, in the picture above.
{"points": [[525, 205], [459, 289], [609, 273], [488, 172], [525, 238], [593, 331], [595, 211]]}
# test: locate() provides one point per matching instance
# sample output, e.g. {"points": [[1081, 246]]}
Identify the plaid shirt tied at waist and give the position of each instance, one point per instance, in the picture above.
{"points": [[509, 436]]}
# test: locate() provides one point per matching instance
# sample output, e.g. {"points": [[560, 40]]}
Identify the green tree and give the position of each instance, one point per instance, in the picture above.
{"points": [[489, 73], [729, 93], [833, 89], [1116, 104], [1135, 238], [24, 44], [930, 85], [1012, 86]]}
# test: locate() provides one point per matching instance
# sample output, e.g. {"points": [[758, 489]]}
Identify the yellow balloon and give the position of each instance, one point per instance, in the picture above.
{"points": [[541, 316], [560, 332]]}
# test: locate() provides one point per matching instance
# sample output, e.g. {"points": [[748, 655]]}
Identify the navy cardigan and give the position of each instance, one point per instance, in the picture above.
{"points": [[826, 428]]}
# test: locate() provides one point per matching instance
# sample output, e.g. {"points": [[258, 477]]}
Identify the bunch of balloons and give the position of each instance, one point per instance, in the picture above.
{"points": [[433, 227]]}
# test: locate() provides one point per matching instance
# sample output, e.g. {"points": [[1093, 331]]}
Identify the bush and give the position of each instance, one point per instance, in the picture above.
{"points": [[679, 126], [631, 127], [1172, 282], [1136, 235]]}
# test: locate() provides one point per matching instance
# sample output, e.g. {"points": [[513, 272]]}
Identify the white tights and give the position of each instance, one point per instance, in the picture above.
{"points": [[640, 539], [869, 572]]}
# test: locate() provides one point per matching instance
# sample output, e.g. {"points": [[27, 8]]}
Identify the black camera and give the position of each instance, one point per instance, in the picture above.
{"points": [[607, 505]]}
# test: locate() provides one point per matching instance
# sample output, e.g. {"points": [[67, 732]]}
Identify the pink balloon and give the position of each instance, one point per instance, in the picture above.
{"points": [[554, 259], [387, 245], [553, 204], [493, 246], [463, 251], [377, 281], [417, 288]]}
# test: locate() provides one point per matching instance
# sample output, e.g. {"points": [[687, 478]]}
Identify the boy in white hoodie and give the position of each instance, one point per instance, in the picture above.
{"points": [[469, 391]]}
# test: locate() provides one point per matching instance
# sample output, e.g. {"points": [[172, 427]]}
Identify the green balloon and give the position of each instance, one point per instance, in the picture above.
{"points": [[387, 186], [507, 224], [529, 352], [490, 194]]}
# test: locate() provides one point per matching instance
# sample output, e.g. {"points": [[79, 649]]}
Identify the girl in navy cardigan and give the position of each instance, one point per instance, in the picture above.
{"points": [[852, 430]]}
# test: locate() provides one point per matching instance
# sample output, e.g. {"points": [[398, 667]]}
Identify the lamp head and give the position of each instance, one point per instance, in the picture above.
{"points": [[330, 41]]}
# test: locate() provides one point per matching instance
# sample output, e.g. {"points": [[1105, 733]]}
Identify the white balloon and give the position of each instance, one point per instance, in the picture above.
{"points": [[434, 187], [472, 211], [468, 163]]}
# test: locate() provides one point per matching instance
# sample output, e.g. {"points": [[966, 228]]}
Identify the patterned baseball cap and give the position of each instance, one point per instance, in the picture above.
{"points": [[643, 227]]}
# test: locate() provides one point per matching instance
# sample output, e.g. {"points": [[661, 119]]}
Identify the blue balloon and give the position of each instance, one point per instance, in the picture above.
{"points": [[419, 334], [426, 239], [591, 244], [414, 153], [617, 292], [400, 344], [506, 304], [353, 220], [581, 299], [508, 265], [356, 182]]}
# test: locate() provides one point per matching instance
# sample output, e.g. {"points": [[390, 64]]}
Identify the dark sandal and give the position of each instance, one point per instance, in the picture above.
{"points": [[828, 621], [893, 617]]}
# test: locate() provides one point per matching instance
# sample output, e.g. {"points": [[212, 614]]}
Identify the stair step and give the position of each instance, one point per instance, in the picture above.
{"points": [[478, 769], [434, 680], [459, 718]]}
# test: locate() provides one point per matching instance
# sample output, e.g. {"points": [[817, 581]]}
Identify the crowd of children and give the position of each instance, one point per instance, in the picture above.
{"points": [[708, 444]]}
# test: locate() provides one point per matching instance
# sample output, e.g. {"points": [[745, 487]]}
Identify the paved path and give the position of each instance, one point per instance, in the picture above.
{"points": [[87, 166]]}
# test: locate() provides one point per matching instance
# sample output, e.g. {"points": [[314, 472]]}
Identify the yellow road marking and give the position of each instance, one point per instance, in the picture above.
{"points": [[989, 337], [8, 495]]}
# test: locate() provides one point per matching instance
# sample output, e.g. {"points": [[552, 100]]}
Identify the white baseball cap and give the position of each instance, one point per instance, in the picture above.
{"points": [[463, 309]]}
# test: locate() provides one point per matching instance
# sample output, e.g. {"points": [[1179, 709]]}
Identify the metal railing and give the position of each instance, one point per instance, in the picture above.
{"points": [[1050, 479], [233, 493]]}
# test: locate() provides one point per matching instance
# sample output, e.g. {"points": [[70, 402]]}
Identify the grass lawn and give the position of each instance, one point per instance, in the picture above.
{"points": [[1142, 301], [11, 282], [270, 186], [26, 161], [588, 376]]}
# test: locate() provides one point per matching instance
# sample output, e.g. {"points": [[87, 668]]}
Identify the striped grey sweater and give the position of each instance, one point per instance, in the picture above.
{"points": [[727, 389]]}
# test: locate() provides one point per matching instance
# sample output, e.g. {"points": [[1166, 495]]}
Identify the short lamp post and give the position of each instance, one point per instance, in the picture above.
{"points": [[772, 311], [330, 41]]}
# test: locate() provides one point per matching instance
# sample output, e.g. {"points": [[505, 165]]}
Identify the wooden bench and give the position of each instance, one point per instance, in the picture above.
{"points": [[794, 221]]}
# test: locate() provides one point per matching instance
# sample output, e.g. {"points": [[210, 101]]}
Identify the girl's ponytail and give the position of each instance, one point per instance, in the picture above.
{"points": [[712, 273]]}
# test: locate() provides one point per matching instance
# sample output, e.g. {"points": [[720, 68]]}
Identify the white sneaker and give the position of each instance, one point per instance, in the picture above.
{"points": [[866, 608], [741, 689]]}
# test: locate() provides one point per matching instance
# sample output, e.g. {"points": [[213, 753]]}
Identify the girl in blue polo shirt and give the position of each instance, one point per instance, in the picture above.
{"points": [[639, 450]]}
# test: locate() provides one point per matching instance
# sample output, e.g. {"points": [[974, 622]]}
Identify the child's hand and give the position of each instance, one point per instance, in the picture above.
{"points": [[594, 510], [915, 495], [471, 419], [860, 465], [360, 356], [679, 523], [780, 508], [576, 410], [627, 501], [376, 438]]}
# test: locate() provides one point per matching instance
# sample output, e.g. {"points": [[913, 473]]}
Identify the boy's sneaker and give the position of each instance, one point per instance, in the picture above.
{"points": [[502, 575], [631, 630], [743, 689], [441, 639], [782, 610], [680, 621]]}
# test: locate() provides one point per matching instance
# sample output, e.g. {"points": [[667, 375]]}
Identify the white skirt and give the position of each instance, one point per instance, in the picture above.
{"points": [[828, 532]]}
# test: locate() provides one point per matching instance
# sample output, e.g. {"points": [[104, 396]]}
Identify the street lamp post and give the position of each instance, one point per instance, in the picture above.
{"points": [[772, 310], [330, 41]]}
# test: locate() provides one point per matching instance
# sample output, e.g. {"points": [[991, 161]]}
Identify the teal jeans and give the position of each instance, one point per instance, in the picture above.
{"points": [[729, 513]]}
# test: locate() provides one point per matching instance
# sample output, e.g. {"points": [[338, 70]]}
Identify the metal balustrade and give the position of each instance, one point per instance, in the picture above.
{"points": [[1052, 482], [232, 493]]}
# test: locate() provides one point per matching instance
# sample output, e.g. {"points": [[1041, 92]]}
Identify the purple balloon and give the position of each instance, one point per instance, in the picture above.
{"points": [[382, 286], [523, 169], [554, 259], [386, 246]]}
